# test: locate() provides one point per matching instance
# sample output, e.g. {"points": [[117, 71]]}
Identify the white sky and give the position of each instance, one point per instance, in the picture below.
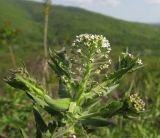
{"points": [[131, 10]]}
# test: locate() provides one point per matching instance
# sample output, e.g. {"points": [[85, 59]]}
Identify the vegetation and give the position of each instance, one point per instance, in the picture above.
{"points": [[80, 108], [28, 16], [68, 75], [7, 37]]}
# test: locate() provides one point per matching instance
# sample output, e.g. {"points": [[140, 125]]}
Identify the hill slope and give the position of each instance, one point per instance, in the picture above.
{"points": [[66, 22]]}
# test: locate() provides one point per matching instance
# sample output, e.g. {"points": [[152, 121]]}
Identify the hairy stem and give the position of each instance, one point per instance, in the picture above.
{"points": [[45, 69], [84, 81]]}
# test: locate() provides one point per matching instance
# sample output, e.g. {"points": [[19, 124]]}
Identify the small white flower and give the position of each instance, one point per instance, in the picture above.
{"points": [[73, 44], [109, 61], [79, 69], [101, 67], [106, 56], [105, 66], [79, 50], [139, 61], [127, 54], [98, 51], [92, 60], [97, 71]]}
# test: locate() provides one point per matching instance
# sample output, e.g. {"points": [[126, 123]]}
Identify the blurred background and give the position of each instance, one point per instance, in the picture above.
{"points": [[132, 25]]}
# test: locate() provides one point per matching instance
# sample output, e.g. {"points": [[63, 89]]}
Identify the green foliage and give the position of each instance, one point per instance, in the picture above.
{"points": [[146, 125], [14, 108], [7, 34], [14, 113], [82, 108]]}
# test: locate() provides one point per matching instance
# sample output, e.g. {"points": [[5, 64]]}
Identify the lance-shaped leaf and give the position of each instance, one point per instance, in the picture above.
{"points": [[37, 93], [111, 109], [40, 102], [38, 132], [61, 66], [62, 91], [59, 63], [39, 121], [97, 122], [20, 79], [88, 99], [24, 133], [58, 104]]}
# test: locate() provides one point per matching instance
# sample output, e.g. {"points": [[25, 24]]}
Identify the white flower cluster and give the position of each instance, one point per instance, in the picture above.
{"points": [[127, 54], [89, 48], [138, 61], [91, 41]]}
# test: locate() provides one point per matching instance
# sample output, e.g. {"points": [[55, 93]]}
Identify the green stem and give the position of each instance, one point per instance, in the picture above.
{"points": [[84, 81], [12, 56], [89, 115], [45, 69]]}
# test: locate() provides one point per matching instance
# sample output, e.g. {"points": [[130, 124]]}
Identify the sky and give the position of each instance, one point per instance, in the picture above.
{"points": [[147, 11]]}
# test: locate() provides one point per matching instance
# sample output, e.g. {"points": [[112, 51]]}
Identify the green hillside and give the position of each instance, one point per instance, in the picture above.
{"points": [[64, 24]]}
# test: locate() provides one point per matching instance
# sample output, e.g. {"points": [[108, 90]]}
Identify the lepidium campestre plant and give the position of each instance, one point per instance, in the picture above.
{"points": [[84, 79]]}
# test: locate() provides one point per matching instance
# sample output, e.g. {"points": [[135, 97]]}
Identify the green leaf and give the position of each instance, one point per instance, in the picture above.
{"points": [[128, 92], [13, 121], [61, 66], [62, 90], [23, 133], [97, 122], [116, 76], [20, 79], [39, 121], [43, 104], [93, 96], [52, 126], [112, 109], [38, 132], [59, 63], [57, 104]]}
